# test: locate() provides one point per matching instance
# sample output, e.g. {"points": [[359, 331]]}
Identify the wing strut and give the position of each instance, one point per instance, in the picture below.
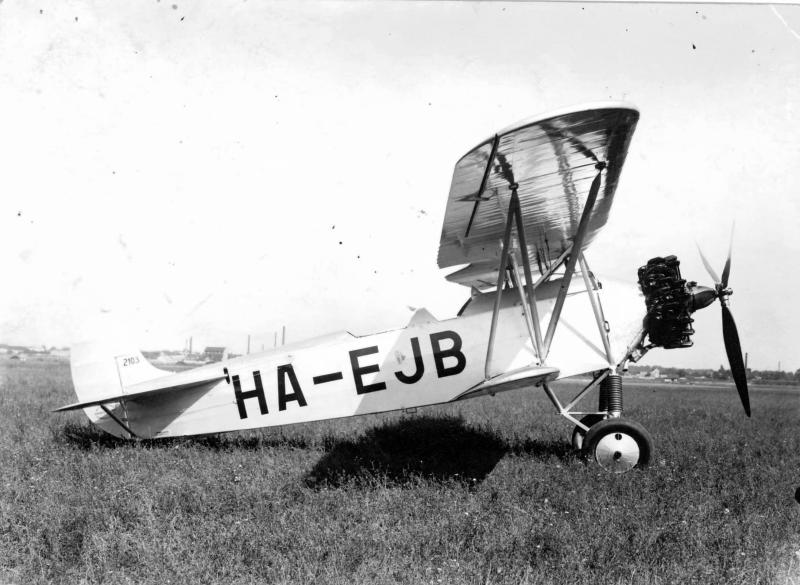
{"points": [[479, 194], [531, 314], [576, 247], [602, 324], [528, 301], [509, 263]]}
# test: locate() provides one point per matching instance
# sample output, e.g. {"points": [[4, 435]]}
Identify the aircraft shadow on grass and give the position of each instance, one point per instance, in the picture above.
{"points": [[87, 437], [439, 448], [396, 453]]}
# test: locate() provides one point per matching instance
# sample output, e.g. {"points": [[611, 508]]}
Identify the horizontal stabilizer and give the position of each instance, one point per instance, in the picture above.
{"points": [[170, 383], [524, 377]]}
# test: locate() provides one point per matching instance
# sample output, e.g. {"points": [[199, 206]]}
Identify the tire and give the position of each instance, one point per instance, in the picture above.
{"points": [[619, 445], [578, 434]]}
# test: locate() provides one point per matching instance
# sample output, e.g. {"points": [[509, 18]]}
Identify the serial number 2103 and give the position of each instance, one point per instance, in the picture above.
{"points": [[130, 361]]}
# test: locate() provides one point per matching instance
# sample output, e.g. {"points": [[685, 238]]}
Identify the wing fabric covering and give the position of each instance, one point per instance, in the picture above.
{"points": [[552, 161]]}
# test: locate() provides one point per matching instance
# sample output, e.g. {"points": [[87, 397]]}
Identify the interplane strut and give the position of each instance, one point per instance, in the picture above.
{"points": [[572, 257]]}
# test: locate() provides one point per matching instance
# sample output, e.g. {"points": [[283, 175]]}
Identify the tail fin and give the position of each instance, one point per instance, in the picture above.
{"points": [[103, 369]]}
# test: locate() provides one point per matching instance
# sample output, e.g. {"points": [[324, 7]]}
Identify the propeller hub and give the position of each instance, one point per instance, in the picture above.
{"points": [[723, 293], [701, 297]]}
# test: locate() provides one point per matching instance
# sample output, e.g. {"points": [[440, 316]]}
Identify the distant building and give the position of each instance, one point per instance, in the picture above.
{"points": [[215, 354], [166, 358]]}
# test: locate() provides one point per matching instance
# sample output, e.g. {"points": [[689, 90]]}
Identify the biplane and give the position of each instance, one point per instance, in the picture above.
{"points": [[524, 206]]}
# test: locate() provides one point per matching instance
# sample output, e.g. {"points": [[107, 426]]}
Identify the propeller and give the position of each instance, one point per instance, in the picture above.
{"points": [[703, 297]]}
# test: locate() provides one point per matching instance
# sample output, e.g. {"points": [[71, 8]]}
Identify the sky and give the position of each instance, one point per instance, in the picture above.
{"points": [[211, 170]]}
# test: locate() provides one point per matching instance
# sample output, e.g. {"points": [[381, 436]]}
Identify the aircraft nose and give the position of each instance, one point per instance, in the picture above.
{"points": [[701, 297]]}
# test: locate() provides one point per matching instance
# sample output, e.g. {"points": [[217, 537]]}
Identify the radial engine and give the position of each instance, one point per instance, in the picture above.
{"points": [[671, 300]]}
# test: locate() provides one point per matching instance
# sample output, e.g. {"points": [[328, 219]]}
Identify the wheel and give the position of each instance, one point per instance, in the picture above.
{"points": [[578, 433], [618, 445]]}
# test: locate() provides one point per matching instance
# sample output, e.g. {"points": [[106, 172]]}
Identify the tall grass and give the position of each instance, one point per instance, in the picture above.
{"points": [[485, 491]]}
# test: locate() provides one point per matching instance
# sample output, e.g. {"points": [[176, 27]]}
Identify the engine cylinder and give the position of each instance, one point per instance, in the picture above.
{"points": [[668, 300]]}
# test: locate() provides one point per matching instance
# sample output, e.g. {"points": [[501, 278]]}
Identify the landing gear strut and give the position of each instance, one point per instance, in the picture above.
{"points": [[578, 434]]}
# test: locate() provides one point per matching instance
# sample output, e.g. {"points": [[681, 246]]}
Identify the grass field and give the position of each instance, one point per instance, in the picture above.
{"points": [[485, 491]]}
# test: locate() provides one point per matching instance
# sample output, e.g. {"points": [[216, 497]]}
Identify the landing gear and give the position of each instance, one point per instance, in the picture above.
{"points": [[609, 405], [618, 445]]}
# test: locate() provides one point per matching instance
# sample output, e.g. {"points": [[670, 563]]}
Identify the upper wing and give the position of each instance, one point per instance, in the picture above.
{"points": [[552, 159]]}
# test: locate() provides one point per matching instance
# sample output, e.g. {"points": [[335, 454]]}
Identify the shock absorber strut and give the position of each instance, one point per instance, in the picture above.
{"points": [[611, 395]]}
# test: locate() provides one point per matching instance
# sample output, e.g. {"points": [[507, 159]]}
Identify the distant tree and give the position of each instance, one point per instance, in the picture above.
{"points": [[721, 373]]}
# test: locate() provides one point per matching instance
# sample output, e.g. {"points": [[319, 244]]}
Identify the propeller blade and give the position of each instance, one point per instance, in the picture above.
{"points": [[727, 270], [708, 266], [734, 350]]}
